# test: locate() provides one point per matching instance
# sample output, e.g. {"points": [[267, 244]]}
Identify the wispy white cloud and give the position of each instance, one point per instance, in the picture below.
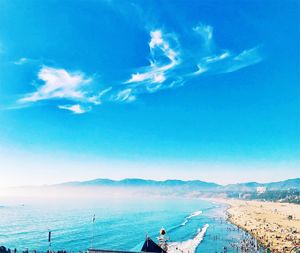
{"points": [[59, 84], [206, 33], [171, 65], [163, 58], [125, 95], [246, 58], [76, 109], [97, 99], [21, 61], [216, 58], [156, 39], [200, 70], [228, 61]]}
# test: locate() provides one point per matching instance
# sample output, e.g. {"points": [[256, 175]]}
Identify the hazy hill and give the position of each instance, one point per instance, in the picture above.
{"points": [[135, 182], [188, 185], [285, 185], [276, 186]]}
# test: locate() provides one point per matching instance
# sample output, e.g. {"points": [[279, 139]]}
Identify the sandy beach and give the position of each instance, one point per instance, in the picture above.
{"points": [[275, 225]]}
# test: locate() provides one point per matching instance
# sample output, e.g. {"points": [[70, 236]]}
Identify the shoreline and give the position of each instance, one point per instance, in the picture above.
{"points": [[267, 222]]}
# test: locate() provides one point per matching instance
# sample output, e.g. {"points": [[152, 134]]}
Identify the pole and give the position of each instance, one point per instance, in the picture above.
{"points": [[49, 240], [93, 230]]}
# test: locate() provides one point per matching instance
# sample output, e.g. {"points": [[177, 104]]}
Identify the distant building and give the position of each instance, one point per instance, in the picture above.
{"points": [[261, 189]]}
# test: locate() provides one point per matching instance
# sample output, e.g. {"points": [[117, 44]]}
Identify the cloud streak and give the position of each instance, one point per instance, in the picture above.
{"points": [[59, 84], [228, 62], [76, 109], [21, 61], [206, 33], [216, 61], [171, 64], [163, 58]]}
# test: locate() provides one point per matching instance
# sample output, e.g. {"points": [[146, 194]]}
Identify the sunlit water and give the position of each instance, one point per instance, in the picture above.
{"points": [[119, 225]]}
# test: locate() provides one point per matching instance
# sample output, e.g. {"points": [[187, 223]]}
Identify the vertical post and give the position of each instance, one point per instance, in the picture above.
{"points": [[49, 241], [93, 230]]}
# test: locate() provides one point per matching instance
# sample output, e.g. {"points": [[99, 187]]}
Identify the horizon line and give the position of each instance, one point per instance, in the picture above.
{"points": [[148, 179]]}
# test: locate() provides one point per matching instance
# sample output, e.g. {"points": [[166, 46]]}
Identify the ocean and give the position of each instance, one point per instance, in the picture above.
{"points": [[119, 224]]}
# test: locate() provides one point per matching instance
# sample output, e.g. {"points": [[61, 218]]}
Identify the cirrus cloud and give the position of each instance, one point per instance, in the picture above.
{"points": [[58, 84], [171, 65], [76, 109]]}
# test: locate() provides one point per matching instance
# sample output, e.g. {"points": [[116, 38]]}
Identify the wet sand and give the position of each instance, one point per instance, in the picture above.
{"points": [[268, 222]]}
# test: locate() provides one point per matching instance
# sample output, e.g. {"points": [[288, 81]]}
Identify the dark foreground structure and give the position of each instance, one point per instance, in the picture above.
{"points": [[111, 251], [149, 246]]}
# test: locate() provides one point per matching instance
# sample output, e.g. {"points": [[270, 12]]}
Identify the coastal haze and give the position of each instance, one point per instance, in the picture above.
{"points": [[99, 188]]}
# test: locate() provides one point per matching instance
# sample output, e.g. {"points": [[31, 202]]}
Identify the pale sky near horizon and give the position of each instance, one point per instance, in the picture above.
{"points": [[149, 89], [65, 168]]}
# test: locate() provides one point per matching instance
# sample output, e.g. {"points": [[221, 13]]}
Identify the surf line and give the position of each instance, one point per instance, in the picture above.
{"points": [[187, 219], [188, 245], [197, 213], [194, 214]]}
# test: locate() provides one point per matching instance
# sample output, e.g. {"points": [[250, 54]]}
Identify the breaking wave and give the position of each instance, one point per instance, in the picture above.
{"points": [[194, 214], [197, 213], [188, 245], [197, 239]]}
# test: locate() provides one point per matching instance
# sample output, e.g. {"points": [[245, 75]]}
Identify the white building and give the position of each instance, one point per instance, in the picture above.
{"points": [[261, 189]]}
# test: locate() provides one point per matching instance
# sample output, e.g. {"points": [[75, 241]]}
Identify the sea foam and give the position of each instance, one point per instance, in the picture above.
{"points": [[188, 245], [194, 214]]}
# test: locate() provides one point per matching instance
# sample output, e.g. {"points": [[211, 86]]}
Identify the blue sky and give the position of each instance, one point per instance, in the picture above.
{"points": [[155, 89]]}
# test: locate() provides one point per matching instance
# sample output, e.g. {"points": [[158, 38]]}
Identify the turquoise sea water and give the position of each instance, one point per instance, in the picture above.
{"points": [[119, 224]]}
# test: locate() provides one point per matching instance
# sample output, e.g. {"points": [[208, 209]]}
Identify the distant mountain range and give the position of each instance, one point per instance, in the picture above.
{"points": [[281, 185], [191, 185]]}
